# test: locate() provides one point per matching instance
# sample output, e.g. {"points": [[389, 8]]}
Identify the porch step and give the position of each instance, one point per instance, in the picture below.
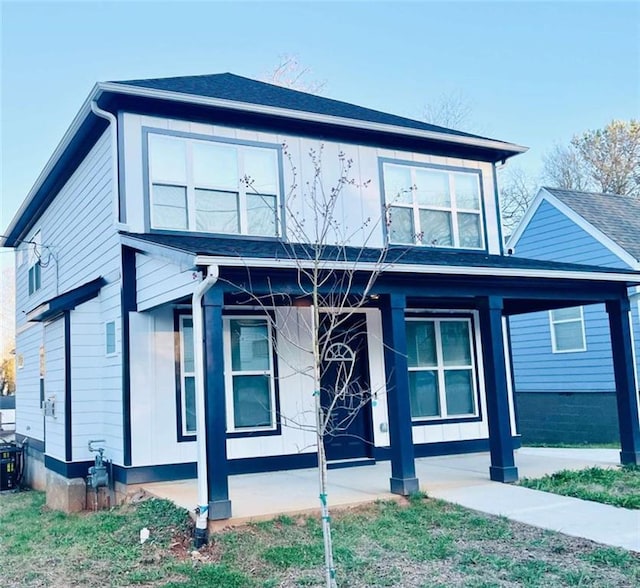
{"points": [[336, 464]]}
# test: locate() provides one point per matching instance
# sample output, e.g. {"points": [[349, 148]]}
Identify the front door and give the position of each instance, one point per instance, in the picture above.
{"points": [[345, 387]]}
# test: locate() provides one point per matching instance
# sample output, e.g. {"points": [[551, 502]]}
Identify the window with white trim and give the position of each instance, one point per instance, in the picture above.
{"points": [[249, 374], [35, 264], [433, 207], [567, 330], [187, 379], [110, 337], [442, 372], [213, 187]]}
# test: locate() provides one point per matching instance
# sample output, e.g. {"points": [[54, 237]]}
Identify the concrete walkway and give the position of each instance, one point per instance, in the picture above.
{"points": [[461, 479]]}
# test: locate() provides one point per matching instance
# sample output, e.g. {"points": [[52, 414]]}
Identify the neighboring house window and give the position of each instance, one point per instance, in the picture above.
{"points": [[110, 338], [35, 265], [442, 380], [249, 374], [433, 207], [213, 187], [187, 377], [567, 330]]}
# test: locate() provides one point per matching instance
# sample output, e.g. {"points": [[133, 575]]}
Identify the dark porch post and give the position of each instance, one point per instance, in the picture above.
{"points": [[403, 470], [215, 411], [495, 374], [626, 392]]}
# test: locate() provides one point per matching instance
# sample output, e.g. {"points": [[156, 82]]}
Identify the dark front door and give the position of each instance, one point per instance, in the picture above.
{"points": [[345, 387]]}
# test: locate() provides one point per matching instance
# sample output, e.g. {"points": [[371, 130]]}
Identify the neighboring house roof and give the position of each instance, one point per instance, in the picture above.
{"points": [[241, 101], [618, 217], [248, 248], [228, 86]]}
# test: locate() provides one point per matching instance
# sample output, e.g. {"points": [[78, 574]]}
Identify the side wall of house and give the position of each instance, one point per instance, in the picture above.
{"points": [[78, 244], [360, 207], [564, 396]]}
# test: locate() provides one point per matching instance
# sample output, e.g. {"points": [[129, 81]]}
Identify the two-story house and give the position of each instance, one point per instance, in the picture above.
{"points": [[563, 366], [142, 251]]}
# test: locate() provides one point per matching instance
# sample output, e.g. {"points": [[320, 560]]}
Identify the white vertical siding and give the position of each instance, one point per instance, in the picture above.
{"points": [[359, 209], [54, 388], [29, 419]]}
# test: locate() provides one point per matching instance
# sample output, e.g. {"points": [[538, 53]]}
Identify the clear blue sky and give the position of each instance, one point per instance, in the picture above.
{"points": [[534, 73]]}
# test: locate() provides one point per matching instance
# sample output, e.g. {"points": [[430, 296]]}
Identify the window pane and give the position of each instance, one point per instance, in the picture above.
{"points": [[432, 188], [435, 226], [459, 392], [397, 184], [167, 159], [569, 336], [249, 345], [251, 401], [401, 225], [215, 165], [111, 337], [562, 314], [421, 344], [261, 214], [261, 168], [187, 345], [217, 212], [455, 342], [169, 210], [190, 404], [423, 388], [469, 230], [467, 191]]}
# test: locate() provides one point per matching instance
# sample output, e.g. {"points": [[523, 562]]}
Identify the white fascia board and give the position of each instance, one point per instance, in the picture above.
{"points": [[246, 262], [184, 259], [308, 116], [525, 220]]}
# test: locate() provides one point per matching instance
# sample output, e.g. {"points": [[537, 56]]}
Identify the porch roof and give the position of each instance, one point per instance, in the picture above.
{"points": [[248, 252]]}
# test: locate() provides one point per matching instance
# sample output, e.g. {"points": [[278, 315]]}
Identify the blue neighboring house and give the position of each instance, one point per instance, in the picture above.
{"points": [[562, 359]]}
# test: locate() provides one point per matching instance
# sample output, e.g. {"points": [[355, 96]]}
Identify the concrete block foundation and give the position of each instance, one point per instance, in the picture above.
{"points": [[67, 495]]}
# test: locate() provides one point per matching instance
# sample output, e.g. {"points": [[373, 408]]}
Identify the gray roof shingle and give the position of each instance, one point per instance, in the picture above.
{"points": [[618, 217], [229, 86]]}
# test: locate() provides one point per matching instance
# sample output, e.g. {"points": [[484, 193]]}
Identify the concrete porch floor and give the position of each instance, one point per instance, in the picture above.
{"points": [[463, 479]]}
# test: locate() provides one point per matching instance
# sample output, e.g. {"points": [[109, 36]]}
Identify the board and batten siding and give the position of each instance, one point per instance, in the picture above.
{"points": [[360, 204], [80, 243], [552, 236], [153, 393], [29, 419]]}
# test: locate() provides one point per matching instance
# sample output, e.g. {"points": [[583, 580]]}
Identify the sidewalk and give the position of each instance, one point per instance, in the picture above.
{"points": [[461, 479]]}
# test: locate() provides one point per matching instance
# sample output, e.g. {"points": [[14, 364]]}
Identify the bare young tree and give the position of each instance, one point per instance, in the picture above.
{"points": [[517, 191], [333, 287], [290, 73], [451, 110]]}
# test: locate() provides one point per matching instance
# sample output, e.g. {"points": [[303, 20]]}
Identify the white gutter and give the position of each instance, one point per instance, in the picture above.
{"points": [[201, 532], [113, 124], [416, 268], [308, 116]]}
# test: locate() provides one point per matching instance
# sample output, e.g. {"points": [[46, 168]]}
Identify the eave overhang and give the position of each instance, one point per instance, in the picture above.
{"points": [[56, 306]]}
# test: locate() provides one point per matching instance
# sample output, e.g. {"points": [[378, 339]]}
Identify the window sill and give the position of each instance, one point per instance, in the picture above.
{"points": [[446, 421]]}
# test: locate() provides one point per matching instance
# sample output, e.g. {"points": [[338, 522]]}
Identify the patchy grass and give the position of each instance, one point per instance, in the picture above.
{"points": [[423, 544], [615, 486]]}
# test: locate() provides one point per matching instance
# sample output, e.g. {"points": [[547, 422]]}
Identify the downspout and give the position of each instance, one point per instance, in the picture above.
{"points": [[113, 123], [201, 535]]}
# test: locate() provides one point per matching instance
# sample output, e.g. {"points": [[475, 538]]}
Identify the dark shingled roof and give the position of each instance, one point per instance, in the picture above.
{"points": [[229, 86], [618, 217], [273, 249]]}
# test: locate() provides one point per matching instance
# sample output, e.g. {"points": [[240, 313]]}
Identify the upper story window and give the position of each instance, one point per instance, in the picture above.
{"points": [[213, 187], [567, 330], [433, 207], [35, 263]]}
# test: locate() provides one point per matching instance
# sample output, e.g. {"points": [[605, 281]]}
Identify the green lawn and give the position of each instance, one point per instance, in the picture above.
{"points": [[425, 543], [615, 486]]}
